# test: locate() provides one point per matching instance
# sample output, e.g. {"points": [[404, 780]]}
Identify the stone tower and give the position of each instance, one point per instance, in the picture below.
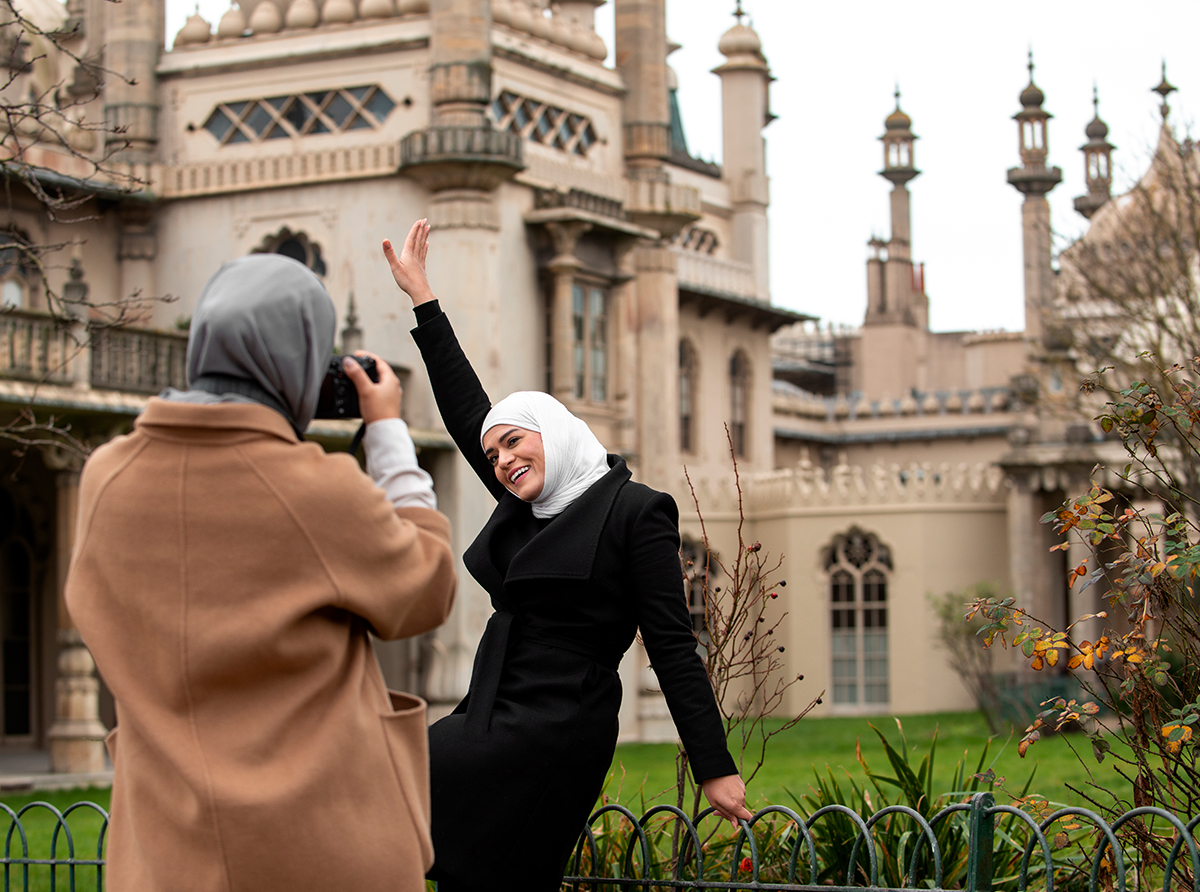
{"points": [[745, 108], [1035, 180], [897, 318], [1097, 163]]}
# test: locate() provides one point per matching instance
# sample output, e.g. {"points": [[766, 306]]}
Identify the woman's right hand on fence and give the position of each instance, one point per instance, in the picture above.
{"points": [[408, 268], [727, 796]]}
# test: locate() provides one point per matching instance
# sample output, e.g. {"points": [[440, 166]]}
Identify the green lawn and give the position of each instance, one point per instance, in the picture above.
{"points": [[642, 773], [649, 769], [39, 824]]}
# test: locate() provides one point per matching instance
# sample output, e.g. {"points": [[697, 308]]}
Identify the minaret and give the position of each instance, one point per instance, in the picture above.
{"points": [[1164, 89], [745, 85], [890, 296], [1097, 163], [1034, 180]]}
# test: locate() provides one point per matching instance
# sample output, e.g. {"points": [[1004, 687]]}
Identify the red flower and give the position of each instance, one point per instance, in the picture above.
{"points": [[747, 865]]}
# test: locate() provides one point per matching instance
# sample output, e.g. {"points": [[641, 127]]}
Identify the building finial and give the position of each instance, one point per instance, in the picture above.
{"points": [[1164, 89], [1095, 99], [897, 94], [1031, 64], [739, 13]]}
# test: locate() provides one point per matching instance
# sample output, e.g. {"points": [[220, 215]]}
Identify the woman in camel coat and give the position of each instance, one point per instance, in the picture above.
{"points": [[225, 578]]}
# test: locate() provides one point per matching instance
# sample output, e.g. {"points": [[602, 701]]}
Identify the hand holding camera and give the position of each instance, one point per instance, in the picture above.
{"points": [[378, 395]]}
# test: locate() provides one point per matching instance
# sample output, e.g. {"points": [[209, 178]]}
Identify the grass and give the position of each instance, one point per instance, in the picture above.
{"points": [[643, 774], [647, 771], [39, 824]]}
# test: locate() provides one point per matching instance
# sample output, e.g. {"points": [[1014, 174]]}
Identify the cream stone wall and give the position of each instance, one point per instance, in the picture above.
{"points": [[943, 534]]}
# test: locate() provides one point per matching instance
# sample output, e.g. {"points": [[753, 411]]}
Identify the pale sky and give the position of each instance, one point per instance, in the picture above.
{"points": [[960, 67]]}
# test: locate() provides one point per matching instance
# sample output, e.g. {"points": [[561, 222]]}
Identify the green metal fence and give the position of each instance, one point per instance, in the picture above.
{"points": [[616, 852]]}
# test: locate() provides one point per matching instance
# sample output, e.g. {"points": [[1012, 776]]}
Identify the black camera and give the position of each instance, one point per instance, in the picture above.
{"points": [[339, 396]]}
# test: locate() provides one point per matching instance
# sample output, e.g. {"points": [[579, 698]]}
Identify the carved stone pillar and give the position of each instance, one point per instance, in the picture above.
{"points": [[563, 266], [76, 736]]}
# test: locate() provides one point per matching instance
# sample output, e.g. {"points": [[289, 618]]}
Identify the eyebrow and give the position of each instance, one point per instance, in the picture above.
{"points": [[501, 439]]}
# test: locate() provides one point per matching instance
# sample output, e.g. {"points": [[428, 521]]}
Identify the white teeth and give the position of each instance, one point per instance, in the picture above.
{"points": [[518, 474]]}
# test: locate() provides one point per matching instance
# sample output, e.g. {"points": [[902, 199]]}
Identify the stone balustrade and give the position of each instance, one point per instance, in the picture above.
{"points": [[42, 348], [808, 487], [569, 25], [37, 347], [984, 401], [706, 274]]}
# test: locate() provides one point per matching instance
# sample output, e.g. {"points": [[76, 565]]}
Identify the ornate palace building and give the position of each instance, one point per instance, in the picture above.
{"points": [[579, 249]]}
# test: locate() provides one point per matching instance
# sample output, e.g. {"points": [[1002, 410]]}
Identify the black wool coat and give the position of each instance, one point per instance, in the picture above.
{"points": [[517, 767]]}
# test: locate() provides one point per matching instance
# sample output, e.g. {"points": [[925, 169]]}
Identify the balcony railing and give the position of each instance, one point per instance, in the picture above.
{"points": [[37, 347], [47, 349], [138, 360]]}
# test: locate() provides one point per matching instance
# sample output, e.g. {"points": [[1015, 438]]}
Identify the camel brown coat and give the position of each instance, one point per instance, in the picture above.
{"points": [[225, 577]]}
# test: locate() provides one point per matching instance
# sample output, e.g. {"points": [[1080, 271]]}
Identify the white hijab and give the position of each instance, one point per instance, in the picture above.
{"points": [[574, 458]]}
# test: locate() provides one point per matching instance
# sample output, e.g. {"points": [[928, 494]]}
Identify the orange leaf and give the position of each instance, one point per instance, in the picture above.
{"points": [[1074, 661]]}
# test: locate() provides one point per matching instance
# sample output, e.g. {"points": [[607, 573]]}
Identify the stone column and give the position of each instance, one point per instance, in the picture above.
{"points": [[1039, 273], [133, 42], [462, 161], [563, 266], [76, 736], [641, 57], [745, 81], [658, 366], [137, 246]]}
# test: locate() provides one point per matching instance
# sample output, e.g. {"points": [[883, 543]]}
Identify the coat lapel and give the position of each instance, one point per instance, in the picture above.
{"points": [[566, 548]]}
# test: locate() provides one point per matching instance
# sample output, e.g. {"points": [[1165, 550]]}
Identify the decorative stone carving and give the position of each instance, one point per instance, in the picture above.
{"points": [[232, 24], [338, 12], [413, 7], [541, 26], [196, 30], [266, 18], [521, 17], [377, 9], [302, 14], [461, 157], [502, 12], [77, 736]]}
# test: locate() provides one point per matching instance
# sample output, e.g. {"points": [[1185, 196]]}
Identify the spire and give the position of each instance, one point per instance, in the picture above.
{"points": [[352, 336], [1164, 89], [1097, 162], [739, 13], [898, 140], [1033, 176]]}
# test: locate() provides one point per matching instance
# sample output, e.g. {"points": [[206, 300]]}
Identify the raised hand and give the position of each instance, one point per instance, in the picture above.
{"points": [[408, 269]]}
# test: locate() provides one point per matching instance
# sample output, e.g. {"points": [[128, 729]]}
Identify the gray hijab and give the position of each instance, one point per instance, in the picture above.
{"points": [[262, 331]]}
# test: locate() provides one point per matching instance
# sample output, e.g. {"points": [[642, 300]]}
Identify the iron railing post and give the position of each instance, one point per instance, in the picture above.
{"points": [[982, 825]]}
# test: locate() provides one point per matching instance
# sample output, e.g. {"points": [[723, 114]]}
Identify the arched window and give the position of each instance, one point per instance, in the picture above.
{"points": [[858, 566], [739, 408], [687, 396], [15, 268], [295, 245]]}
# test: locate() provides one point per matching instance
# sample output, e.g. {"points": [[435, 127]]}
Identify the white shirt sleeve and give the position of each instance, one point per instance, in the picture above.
{"points": [[392, 465]]}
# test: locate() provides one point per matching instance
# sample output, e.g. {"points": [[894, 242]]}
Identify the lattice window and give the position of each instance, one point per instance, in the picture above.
{"points": [[300, 114], [739, 401], [858, 566], [543, 123]]}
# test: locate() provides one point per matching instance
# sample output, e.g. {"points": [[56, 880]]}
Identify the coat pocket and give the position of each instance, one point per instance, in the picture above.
{"points": [[407, 735], [110, 744]]}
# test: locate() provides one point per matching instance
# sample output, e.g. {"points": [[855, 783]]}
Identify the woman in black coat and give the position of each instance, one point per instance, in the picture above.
{"points": [[576, 558]]}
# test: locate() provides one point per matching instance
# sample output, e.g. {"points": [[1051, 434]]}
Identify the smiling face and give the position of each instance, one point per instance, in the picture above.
{"points": [[517, 456]]}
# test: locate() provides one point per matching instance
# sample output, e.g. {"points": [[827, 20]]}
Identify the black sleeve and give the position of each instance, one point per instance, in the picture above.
{"points": [[666, 626], [460, 397]]}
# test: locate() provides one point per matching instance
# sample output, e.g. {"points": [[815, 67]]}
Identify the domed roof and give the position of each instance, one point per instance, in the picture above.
{"points": [[1032, 96], [1097, 129], [898, 120], [740, 40]]}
